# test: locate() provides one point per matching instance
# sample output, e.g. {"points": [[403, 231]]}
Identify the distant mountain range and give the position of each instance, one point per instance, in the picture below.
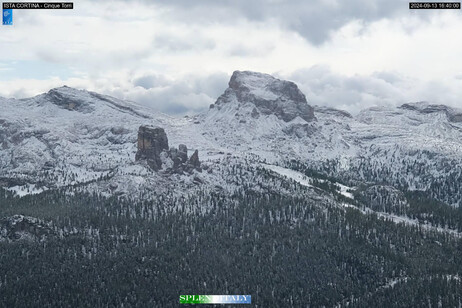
{"points": [[72, 137]]}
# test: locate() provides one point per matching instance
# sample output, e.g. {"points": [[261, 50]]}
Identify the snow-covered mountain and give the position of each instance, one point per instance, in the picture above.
{"points": [[105, 201], [74, 137]]}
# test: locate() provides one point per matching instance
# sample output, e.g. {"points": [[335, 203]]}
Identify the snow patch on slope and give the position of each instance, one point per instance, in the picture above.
{"points": [[290, 174], [28, 189]]}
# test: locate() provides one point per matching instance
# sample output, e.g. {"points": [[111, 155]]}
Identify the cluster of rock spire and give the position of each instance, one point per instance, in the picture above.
{"points": [[153, 148]]}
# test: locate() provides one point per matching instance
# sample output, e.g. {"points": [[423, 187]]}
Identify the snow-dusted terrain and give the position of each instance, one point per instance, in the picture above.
{"points": [[104, 201], [70, 137]]}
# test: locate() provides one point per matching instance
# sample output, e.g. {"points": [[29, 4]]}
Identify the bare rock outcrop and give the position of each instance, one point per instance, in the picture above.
{"points": [[153, 148], [151, 142], [269, 95], [194, 160]]}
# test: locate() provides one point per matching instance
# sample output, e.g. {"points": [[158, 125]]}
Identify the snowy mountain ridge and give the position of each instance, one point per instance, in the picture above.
{"points": [[104, 201], [75, 137]]}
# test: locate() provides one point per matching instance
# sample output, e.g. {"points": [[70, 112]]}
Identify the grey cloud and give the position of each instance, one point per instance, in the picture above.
{"points": [[324, 87], [171, 102], [351, 93], [314, 21], [190, 94], [151, 81], [213, 85]]}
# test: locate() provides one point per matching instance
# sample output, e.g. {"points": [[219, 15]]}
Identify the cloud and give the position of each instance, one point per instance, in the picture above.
{"points": [[171, 102], [181, 43], [315, 21], [354, 93], [190, 94], [177, 56], [151, 81], [392, 78]]}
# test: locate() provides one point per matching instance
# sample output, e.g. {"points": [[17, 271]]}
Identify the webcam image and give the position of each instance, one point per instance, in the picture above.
{"points": [[259, 153]]}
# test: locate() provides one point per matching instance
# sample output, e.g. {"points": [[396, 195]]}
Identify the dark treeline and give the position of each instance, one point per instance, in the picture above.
{"points": [[438, 177], [391, 197], [284, 250]]}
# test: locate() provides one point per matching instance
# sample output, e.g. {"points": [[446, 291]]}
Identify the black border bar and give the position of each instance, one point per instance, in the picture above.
{"points": [[434, 5], [38, 5]]}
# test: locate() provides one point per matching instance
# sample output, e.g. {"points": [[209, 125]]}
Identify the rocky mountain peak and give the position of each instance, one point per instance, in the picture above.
{"points": [[70, 99], [269, 94], [454, 115], [424, 107]]}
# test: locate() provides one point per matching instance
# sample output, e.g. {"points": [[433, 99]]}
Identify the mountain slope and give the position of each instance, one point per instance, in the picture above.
{"points": [[69, 137], [294, 204]]}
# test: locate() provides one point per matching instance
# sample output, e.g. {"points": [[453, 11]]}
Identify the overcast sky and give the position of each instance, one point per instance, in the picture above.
{"points": [[177, 56]]}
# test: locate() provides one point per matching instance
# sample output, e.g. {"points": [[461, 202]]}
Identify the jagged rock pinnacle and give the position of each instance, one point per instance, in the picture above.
{"points": [[151, 142]]}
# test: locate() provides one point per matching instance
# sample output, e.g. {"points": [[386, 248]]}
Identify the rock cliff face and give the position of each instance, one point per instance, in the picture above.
{"points": [[453, 114], [151, 142], [332, 111], [65, 98], [269, 95], [194, 160], [153, 148]]}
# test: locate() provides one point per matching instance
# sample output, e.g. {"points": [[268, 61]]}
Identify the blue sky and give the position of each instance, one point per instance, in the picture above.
{"points": [[177, 56]]}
